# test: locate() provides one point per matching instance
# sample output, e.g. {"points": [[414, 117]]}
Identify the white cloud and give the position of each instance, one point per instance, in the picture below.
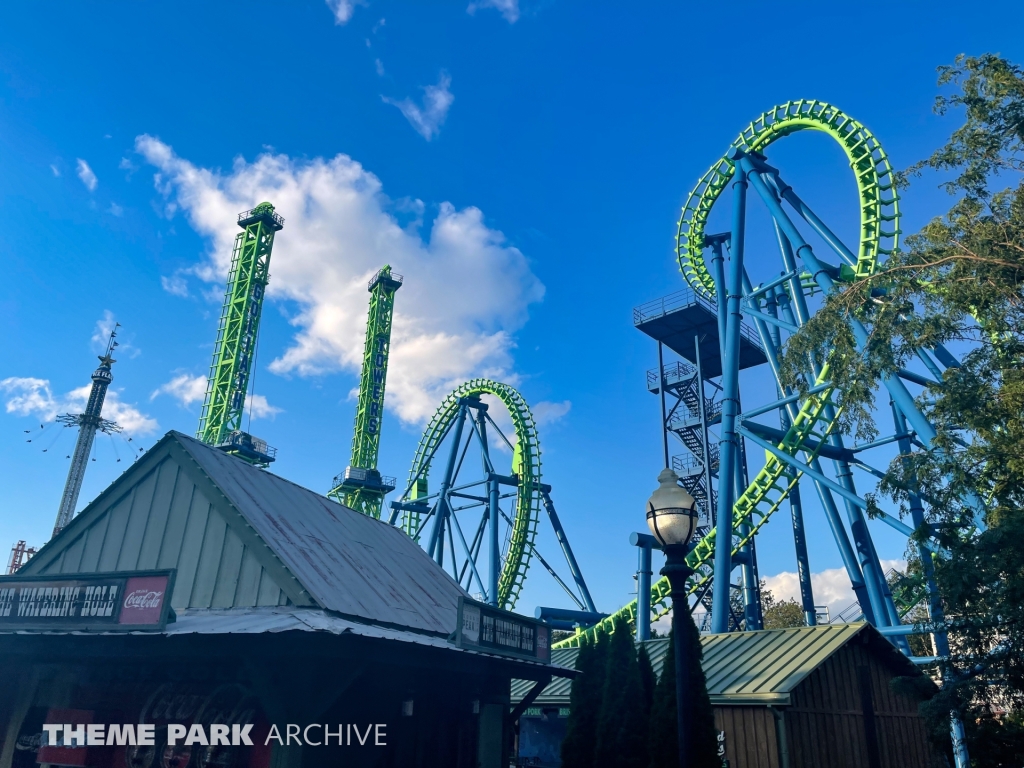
{"points": [[546, 412], [55, 169], [86, 175], [380, 67], [258, 406], [34, 397], [175, 285], [342, 9], [466, 289], [184, 388], [830, 587], [116, 209], [507, 8], [428, 118]]}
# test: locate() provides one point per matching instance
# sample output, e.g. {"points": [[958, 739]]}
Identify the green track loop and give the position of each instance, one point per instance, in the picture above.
{"points": [[879, 201], [525, 465], [879, 206]]}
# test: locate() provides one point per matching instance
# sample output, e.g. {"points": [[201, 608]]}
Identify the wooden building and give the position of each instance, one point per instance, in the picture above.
{"points": [[809, 697], [238, 597]]}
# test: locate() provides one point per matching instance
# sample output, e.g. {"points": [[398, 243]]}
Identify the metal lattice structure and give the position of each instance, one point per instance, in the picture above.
{"points": [[234, 352], [361, 487], [88, 423], [805, 438], [498, 555]]}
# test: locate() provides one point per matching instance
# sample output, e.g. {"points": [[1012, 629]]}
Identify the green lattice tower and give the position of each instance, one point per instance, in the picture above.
{"points": [[361, 486], [235, 349]]}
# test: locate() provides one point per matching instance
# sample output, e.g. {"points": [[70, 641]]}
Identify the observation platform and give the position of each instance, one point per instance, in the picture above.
{"points": [[675, 319]]}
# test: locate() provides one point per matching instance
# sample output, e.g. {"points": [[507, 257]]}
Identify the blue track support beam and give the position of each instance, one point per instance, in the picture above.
{"points": [[563, 542], [436, 548], [796, 510], [718, 272], [817, 224], [493, 550], [644, 544], [709, 508], [728, 447], [936, 613], [822, 276], [945, 357]]}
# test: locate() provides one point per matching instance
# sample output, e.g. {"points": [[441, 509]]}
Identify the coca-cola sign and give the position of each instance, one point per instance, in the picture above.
{"points": [[119, 601]]}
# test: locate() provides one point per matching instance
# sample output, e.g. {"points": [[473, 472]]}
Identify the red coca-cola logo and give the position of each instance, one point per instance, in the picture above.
{"points": [[142, 598]]}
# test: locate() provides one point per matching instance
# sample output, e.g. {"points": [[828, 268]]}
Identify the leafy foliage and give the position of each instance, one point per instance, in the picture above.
{"points": [[780, 614], [960, 282]]}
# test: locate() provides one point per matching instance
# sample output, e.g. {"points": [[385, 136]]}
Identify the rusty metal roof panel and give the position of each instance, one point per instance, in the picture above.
{"points": [[347, 562]]}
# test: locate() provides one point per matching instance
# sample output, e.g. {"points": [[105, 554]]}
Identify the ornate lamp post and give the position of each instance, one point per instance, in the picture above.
{"points": [[672, 518]]}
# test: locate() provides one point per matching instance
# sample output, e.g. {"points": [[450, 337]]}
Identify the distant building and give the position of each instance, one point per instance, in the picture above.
{"points": [[251, 600], [808, 697]]}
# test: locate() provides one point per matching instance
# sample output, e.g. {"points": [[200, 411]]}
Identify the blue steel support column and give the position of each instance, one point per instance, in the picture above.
{"points": [[494, 552], [718, 275], [563, 542], [709, 507], [728, 453], [796, 311], [796, 511], [436, 549], [644, 543]]}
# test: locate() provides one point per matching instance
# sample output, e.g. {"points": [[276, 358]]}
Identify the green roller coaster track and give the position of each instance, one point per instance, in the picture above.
{"points": [[525, 466], [818, 415]]}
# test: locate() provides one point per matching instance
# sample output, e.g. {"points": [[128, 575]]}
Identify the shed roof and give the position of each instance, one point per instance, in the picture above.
{"points": [[346, 561], [318, 552], [746, 667]]}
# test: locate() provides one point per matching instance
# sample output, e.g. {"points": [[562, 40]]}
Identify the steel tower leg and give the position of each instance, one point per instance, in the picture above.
{"points": [[728, 450], [436, 548], [494, 551], [570, 558]]}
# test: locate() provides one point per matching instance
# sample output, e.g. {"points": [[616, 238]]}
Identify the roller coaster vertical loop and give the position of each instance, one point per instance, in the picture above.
{"points": [[808, 433]]}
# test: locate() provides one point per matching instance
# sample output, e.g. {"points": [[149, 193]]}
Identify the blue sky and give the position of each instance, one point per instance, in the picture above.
{"points": [[522, 164]]}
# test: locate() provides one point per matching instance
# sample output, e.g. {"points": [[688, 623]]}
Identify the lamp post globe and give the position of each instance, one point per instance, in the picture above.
{"points": [[672, 518]]}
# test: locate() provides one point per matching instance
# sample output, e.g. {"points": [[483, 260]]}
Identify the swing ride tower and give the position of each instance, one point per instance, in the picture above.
{"points": [[88, 423], [234, 352]]}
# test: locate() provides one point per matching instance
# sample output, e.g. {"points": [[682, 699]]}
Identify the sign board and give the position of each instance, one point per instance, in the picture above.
{"points": [[121, 601], [483, 627]]}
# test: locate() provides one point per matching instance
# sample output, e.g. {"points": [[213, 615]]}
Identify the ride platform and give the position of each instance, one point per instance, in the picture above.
{"points": [[676, 319]]}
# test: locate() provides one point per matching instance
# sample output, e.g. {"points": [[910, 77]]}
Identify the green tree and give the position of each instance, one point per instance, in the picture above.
{"points": [[648, 680], [703, 747], [780, 614], [959, 281], [662, 743], [622, 724], [585, 704]]}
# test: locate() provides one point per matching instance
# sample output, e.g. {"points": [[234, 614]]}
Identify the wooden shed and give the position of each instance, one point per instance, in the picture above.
{"points": [[808, 697]]}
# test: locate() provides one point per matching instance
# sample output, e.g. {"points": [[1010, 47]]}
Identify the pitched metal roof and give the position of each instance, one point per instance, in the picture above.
{"points": [[744, 667], [347, 562]]}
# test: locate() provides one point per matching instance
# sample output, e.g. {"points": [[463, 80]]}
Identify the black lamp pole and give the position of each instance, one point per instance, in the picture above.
{"points": [[678, 572]]}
